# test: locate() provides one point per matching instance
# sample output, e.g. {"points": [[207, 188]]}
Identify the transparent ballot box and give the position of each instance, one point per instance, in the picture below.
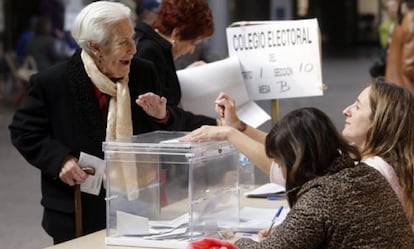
{"points": [[162, 193]]}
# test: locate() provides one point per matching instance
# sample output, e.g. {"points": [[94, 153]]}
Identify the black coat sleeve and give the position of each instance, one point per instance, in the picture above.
{"points": [[187, 120], [30, 132]]}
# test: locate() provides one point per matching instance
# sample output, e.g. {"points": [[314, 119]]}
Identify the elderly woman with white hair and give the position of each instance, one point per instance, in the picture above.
{"points": [[100, 94]]}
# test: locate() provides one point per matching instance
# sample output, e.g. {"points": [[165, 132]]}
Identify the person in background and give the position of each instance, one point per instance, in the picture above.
{"points": [[379, 123], [386, 27], [102, 93], [55, 11], [400, 57], [385, 30], [45, 49], [179, 27], [23, 37], [200, 56], [334, 203], [147, 11]]}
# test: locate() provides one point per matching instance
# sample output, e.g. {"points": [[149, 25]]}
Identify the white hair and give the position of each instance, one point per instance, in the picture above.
{"points": [[93, 23]]}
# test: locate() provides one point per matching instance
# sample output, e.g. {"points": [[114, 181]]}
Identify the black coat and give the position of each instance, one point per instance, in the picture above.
{"points": [[61, 116], [153, 47]]}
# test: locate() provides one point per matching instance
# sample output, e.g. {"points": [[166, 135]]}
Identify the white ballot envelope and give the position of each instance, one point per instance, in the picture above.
{"points": [[93, 184], [201, 86]]}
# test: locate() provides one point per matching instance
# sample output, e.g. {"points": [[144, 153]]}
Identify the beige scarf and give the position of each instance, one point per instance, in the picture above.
{"points": [[123, 175], [119, 124]]}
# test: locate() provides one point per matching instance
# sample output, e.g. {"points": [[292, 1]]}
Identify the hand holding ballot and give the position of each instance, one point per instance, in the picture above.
{"points": [[246, 138], [214, 78], [225, 106]]}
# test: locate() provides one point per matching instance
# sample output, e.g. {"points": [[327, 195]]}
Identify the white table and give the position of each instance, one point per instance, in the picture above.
{"points": [[97, 239]]}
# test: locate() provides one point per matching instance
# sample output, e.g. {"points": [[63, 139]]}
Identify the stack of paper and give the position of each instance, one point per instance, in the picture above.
{"points": [[256, 219], [266, 190]]}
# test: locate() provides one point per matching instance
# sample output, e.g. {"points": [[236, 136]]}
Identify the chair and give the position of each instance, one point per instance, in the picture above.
{"points": [[20, 74]]}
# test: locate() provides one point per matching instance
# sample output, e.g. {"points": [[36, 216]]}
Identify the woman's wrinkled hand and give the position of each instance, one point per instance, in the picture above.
{"points": [[153, 104], [71, 173]]}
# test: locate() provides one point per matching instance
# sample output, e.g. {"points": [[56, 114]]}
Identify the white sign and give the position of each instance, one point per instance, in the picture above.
{"points": [[279, 59]]}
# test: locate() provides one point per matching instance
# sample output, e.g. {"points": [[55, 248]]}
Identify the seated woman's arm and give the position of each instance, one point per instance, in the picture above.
{"points": [[250, 147]]}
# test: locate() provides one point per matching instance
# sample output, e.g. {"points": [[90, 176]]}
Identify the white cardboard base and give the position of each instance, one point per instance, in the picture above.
{"points": [[131, 241]]}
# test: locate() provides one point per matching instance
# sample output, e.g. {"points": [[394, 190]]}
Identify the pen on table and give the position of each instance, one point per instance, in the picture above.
{"points": [[277, 214], [273, 198]]}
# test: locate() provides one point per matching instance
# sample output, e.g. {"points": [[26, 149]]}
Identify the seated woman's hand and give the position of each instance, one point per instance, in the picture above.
{"points": [[153, 104], [263, 234]]}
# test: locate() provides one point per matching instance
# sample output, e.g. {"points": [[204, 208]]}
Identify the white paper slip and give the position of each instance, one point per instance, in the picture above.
{"points": [[266, 190], [93, 183], [262, 214], [252, 213], [251, 226], [255, 219], [129, 224], [179, 221]]}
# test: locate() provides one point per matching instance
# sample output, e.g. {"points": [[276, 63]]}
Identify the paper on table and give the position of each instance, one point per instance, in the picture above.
{"points": [[93, 183], [201, 85], [252, 225], [174, 233], [252, 213], [129, 224], [266, 190], [179, 221], [255, 219]]}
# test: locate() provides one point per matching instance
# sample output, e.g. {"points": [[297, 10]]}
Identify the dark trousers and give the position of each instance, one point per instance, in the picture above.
{"points": [[61, 225]]}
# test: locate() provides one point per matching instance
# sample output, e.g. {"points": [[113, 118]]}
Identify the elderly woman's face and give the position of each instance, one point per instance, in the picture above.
{"points": [[116, 55]]}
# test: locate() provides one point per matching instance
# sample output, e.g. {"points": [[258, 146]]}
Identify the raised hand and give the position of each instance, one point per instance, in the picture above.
{"points": [[225, 106], [153, 104]]}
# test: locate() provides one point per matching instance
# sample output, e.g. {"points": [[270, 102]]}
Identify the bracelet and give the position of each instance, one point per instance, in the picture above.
{"points": [[242, 126]]}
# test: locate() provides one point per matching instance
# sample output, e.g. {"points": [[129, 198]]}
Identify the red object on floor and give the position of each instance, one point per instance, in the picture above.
{"points": [[210, 243]]}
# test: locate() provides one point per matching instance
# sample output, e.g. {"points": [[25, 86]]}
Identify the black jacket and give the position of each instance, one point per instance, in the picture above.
{"points": [[153, 47], [61, 116]]}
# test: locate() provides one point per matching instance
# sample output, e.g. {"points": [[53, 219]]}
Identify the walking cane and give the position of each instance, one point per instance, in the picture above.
{"points": [[78, 204]]}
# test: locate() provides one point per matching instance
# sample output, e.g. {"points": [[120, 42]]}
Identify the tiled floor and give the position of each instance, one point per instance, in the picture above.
{"points": [[20, 210]]}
